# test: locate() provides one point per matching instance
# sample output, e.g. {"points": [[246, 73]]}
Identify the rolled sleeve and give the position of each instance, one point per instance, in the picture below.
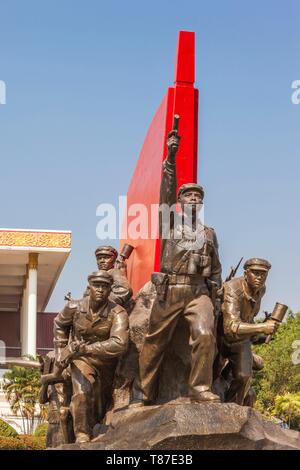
{"points": [[62, 324], [231, 312]]}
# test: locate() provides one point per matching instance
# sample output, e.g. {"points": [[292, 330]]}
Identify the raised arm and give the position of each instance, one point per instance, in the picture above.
{"points": [[121, 291], [168, 187], [169, 182]]}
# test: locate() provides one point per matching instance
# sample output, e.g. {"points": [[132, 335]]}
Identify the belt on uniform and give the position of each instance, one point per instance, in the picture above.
{"points": [[188, 279]]}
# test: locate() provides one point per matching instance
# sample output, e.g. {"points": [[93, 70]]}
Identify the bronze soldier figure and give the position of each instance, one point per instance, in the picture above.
{"points": [[107, 260], [242, 299], [89, 335], [190, 274]]}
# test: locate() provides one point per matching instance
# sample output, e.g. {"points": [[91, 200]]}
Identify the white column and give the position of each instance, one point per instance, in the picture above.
{"points": [[23, 318], [30, 311]]}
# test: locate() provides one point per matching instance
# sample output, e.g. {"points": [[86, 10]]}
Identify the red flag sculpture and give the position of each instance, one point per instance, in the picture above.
{"points": [[181, 99]]}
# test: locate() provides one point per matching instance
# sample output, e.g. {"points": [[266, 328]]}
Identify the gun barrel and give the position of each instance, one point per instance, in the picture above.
{"points": [[52, 378], [233, 271], [19, 362], [230, 275]]}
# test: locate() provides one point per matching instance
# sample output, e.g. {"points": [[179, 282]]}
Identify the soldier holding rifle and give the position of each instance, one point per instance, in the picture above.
{"points": [[89, 335]]}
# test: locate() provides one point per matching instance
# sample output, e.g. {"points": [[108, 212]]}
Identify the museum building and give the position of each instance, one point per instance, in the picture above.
{"points": [[30, 265]]}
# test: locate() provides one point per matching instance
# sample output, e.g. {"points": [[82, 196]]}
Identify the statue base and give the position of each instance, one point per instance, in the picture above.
{"points": [[182, 425]]}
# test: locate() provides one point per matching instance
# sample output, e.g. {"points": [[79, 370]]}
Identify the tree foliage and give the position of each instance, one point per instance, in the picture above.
{"points": [[6, 430], [22, 442], [21, 387], [287, 407], [41, 430], [279, 380]]}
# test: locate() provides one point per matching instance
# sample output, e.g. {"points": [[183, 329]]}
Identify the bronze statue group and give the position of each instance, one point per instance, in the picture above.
{"points": [[91, 335]]}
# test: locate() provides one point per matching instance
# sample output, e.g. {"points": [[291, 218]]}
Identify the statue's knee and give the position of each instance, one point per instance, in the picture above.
{"points": [[243, 376], [82, 397], [64, 413], [203, 334]]}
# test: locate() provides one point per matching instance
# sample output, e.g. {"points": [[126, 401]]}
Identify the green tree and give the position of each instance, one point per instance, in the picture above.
{"points": [[21, 387], [287, 407], [281, 373], [6, 430], [41, 430]]}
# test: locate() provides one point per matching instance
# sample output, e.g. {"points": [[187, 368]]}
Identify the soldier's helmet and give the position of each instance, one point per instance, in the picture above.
{"points": [[190, 187], [100, 276], [257, 263], [109, 250]]}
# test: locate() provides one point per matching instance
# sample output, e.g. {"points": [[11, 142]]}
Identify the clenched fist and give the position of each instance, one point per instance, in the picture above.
{"points": [[270, 326]]}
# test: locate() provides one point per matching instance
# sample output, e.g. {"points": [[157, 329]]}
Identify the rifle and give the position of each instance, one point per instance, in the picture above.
{"points": [[233, 271], [68, 353]]}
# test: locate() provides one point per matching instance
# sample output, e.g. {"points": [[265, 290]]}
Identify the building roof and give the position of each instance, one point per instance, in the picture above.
{"points": [[15, 245]]}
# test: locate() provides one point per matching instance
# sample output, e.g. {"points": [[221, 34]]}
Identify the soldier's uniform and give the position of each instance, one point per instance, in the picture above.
{"points": [[187, 268], [239, 309], [106, 338]]}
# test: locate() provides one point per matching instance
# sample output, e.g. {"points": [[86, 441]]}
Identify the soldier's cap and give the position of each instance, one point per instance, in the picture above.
{"points": [[257, 263], [109, 250], [190, 187], [101, 276]]}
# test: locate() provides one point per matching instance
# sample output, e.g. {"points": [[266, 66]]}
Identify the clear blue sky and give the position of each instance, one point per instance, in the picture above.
{"points": [[84, 79]]}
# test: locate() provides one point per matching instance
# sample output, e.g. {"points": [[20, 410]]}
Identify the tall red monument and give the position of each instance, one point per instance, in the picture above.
{"points": [[181, 99]]}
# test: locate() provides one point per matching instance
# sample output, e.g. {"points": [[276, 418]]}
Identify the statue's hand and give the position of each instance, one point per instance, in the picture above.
{"points": [[82, 349], [78, 347], [121, 265], [220, 293], [173, 143], [59, 361], [66, 355], [59, 365], [270, 326]]}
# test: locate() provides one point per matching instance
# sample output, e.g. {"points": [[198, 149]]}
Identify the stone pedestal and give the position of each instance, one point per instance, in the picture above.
{"points": [[191, 426]]}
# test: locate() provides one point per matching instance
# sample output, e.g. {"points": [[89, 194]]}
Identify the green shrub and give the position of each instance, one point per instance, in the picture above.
{"points": [[33, 442], [281, 373], [12, 443], [23, 442], [41, 430], [6, 430]]}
